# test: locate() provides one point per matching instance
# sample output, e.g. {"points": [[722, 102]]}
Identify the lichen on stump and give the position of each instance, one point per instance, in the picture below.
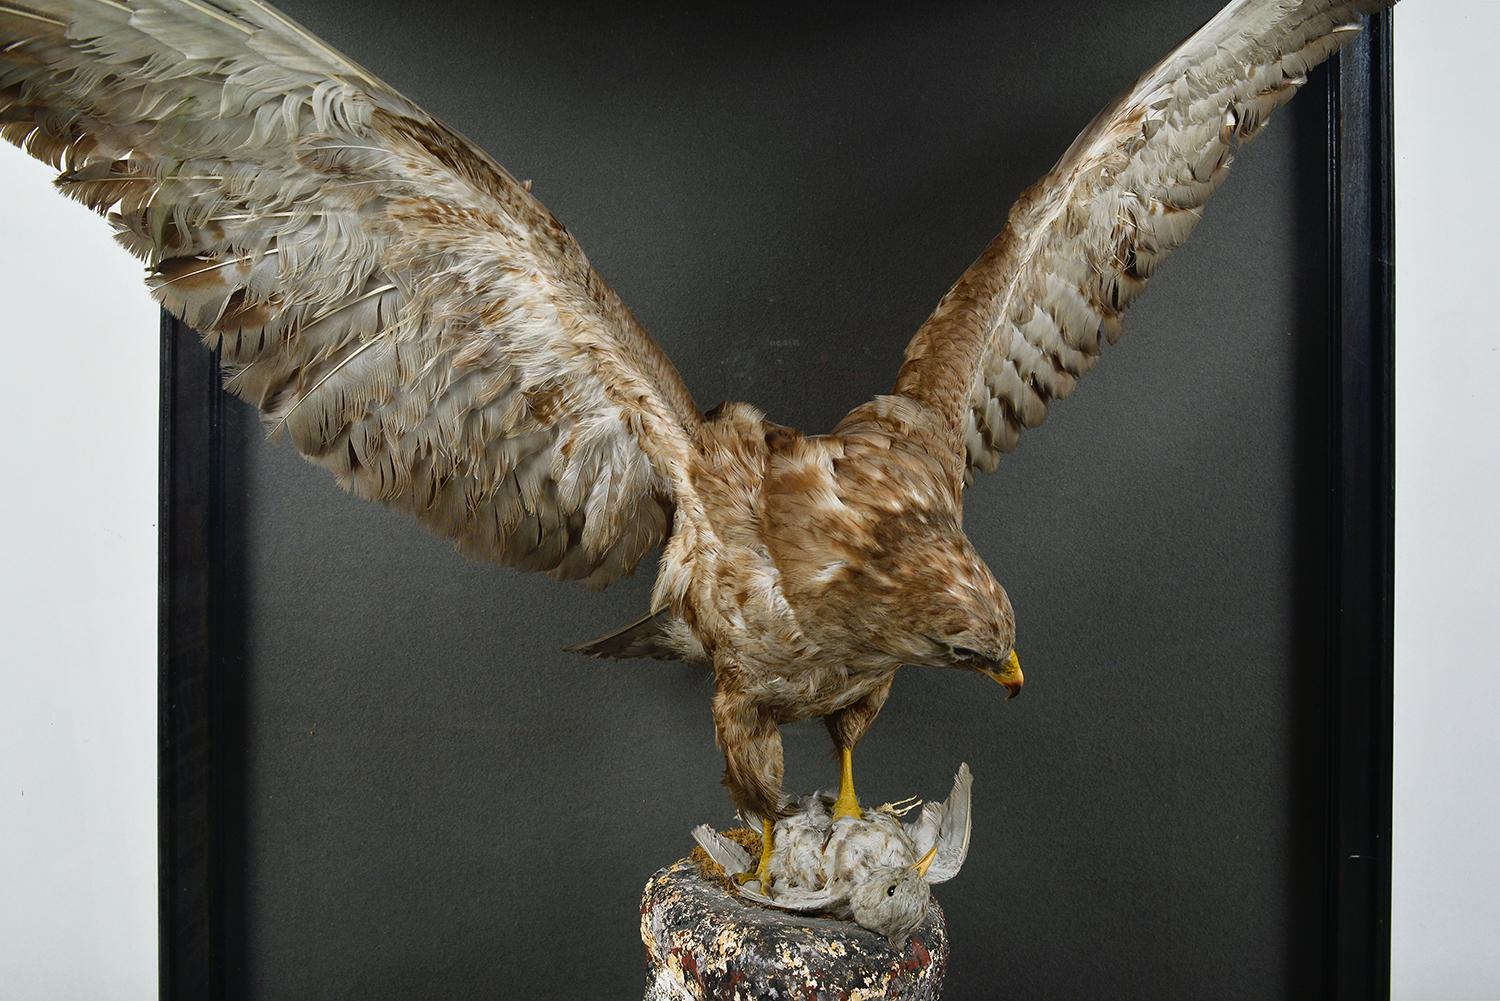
{"points": [[704, 944]]}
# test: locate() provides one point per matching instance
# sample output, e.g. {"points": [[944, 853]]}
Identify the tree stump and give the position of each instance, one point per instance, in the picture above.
{"points": [[704, 944]]}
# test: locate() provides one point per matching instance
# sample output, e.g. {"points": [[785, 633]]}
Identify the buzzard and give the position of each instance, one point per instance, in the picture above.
{"points": [[403, 309]]}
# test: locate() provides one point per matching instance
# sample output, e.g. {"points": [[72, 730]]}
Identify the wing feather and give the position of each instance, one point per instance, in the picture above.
{"points": [[731, 858], [388, 296], [947, 825], [1030, 315]]}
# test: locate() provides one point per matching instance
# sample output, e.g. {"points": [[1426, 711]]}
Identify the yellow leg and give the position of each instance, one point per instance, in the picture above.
{"points": [[847, 805], [762, 873]]}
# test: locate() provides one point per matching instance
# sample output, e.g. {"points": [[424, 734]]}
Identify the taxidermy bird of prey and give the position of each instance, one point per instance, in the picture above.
{"points": [[420, 325], [873, 870]]}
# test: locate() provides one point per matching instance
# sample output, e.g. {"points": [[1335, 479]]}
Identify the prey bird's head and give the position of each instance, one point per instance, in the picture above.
{"points": [[942, 607]]}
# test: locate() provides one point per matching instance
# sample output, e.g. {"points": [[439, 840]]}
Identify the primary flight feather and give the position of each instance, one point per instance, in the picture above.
{"points": [[420, 325]]}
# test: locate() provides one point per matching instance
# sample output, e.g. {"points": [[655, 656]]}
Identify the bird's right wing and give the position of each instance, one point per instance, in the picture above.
{"points": [[1024, 322], [379, 288], [947, 825]]}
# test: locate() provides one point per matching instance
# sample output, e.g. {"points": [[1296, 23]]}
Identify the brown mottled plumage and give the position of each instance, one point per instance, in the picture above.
{"points": [[420, 325]]}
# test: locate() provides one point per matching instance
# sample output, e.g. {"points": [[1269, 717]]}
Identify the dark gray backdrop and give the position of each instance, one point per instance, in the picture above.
{"points": [[428, 799]]}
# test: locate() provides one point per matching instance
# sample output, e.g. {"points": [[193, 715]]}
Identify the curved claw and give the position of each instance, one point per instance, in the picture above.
{"points": [[761, 875], [762, 871]]}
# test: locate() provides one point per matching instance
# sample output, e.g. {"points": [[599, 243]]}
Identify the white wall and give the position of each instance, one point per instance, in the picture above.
{"points": [[78, 403], [1446, 912], [77, 593]]}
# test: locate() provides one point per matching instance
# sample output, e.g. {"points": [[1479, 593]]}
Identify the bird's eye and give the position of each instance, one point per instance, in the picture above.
{"points": [[890, 891], [964, 653]]}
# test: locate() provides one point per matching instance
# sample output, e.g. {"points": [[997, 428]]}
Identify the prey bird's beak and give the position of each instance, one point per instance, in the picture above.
{"points": [[1009, 675], [924, 863]]}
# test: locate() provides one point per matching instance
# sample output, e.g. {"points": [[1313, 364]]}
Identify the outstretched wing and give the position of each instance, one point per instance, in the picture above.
{"points": [[1025, 320], [381, 290], [946, 825]]}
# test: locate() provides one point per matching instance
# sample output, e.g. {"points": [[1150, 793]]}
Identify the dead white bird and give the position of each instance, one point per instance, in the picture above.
{"points": [[874, 870]]}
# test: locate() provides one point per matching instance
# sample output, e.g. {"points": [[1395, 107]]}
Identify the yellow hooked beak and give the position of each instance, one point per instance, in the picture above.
{"points": [[1009, 675], [924, 863]]}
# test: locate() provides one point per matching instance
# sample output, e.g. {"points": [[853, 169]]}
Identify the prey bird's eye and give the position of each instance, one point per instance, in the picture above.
{"points": [[964, 653], [890, 891]]}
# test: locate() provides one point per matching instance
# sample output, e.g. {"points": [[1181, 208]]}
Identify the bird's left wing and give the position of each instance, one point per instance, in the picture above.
{"points": [[947, 826], [1025, 320], [379, 288]]}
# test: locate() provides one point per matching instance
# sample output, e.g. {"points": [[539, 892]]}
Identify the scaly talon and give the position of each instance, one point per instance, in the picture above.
{"points": [[762, 873], [847, 805]]}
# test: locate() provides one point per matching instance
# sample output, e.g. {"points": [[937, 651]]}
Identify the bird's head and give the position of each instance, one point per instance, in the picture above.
{"points": [[940, 605], [892, 900], [973, 628]]}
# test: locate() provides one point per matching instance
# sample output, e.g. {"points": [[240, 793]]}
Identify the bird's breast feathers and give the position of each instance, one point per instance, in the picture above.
{"points": [[783, 537]]}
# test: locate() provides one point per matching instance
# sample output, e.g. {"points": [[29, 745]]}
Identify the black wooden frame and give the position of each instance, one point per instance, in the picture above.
{"points": [[1361, 214], [1360, 554], [190, 555]]}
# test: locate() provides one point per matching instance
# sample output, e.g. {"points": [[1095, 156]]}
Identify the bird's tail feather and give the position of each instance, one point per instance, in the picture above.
{"points": [[660, 636]]}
